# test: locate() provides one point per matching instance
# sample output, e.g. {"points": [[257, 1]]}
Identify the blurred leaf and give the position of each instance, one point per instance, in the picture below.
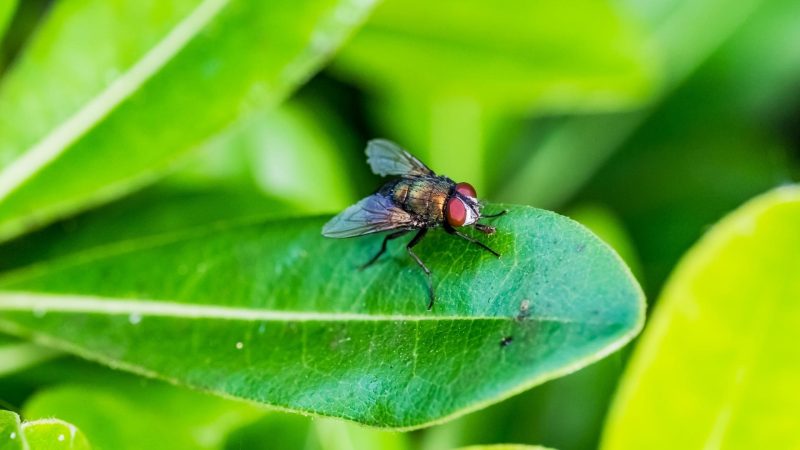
{"points": [[17, 355], [756, 72], [273, 312], [274, 431], [460, 73], [82, 127], [137, 415], [718, 361], [678, 174], [45, 434], [504, 447], [337, 435], [156, 211], [291, 153], [285, 431], [522, 55], [7, 8], [686, 33]]}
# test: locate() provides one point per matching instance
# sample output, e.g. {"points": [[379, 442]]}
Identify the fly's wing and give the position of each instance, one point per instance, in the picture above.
{"points": [[371, 215], [387, 158]]}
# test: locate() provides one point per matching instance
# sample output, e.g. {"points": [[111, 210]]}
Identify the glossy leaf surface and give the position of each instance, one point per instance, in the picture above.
{"points": [[719, 361], [275, 313]]}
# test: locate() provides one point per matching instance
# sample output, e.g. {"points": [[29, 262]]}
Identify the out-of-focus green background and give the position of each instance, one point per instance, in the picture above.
{"points": [[646, 120]]}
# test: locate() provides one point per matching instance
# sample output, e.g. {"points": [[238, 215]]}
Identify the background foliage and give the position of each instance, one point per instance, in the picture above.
{"points": [[200, 125]]}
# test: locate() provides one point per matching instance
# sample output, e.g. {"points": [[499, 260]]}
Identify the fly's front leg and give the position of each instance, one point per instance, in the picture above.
{"points": [[388, 238], [414, 241], [452, 230], [492, 216]]}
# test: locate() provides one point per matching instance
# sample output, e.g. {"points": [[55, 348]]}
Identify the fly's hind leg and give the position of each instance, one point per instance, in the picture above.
{"points": [[414, 241], [388, 238]]}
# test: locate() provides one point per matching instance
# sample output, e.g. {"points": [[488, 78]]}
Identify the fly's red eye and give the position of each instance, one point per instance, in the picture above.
{"points": [[466, 189], [456, 212]]}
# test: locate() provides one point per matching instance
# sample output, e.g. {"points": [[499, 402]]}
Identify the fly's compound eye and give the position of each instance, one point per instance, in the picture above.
{"points": [[456, 212], [466, 189]]}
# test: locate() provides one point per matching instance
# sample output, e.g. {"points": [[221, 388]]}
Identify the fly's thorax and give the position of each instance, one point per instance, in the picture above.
{"points": [[424, 197]]}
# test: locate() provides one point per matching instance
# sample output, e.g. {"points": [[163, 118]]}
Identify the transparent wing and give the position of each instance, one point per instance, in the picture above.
{"points": [[371, 215], [387, 158]]}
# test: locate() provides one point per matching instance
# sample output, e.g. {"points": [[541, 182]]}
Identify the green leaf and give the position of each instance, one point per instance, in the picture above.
{"points": [[45, 434], [131, 414], [164, 78], [18, 355], [718, 361], [274, 312], [522, 55]]}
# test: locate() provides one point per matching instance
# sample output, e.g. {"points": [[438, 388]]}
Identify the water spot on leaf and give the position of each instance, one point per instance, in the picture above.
{"points": [[524, 310], [239, 345], [135, 318]]}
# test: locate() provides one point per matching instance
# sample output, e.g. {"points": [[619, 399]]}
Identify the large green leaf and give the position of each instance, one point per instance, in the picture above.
{"points": [[719, 360], [45, 434], [273, 312], [84, 119], [521, 54]]}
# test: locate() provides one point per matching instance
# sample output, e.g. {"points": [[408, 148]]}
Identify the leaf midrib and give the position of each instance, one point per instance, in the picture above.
{"points": [[43, 303]]}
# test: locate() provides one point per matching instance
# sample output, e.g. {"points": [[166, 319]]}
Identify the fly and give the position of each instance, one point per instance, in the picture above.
{"points": [[416, 201]]}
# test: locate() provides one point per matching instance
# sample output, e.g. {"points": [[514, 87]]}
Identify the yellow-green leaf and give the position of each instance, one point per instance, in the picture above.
{"points": [[719, 364]]}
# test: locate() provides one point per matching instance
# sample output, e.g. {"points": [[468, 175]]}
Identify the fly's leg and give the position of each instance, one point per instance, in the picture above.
{"points": [[388, 238], [485, 229], [452, 230], [414, 241], [492, 216]]}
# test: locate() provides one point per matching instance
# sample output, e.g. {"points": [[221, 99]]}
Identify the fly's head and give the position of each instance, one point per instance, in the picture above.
{"points": [[463, 208]]}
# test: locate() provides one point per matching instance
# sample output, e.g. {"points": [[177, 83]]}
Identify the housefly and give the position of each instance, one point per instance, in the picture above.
{"points": [[417, 200]]}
